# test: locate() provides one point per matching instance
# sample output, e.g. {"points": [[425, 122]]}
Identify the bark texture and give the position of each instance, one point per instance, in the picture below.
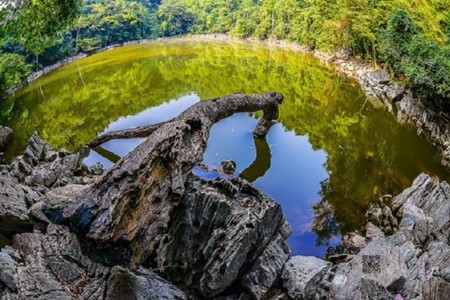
{"points": [[127, 210]]}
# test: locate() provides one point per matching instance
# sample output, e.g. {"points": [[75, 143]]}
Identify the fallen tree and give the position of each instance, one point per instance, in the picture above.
{"points": [[128, 209]]}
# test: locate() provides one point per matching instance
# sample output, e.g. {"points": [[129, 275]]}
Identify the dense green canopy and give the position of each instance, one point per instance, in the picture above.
{"points": [[410, 36]]}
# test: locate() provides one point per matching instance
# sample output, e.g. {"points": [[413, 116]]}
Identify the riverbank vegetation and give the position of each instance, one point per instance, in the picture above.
{"points": [[411, 38]]}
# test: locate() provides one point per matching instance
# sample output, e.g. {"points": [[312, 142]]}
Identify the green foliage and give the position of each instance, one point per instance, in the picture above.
{"points": [[12, 70], [106, 22], [411, 52], [174, 17], [36, 23]]}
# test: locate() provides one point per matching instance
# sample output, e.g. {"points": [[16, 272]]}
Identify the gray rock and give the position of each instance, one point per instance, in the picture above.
{"points": [[8, 268], [436, 288], [35, 150], [378, 77], [395, 92], [416, 226], [42, 166], [433, 263], [218, 233], [353, 242], [6, 135], [373, 231], [298, 272], [56, 199], [13, 206], [140, 285], [433, 198], [56, 173], [379, 261], [267, 268]]}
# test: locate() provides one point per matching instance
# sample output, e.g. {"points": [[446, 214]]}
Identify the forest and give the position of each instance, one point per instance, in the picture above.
{"points": [[410, 38]]}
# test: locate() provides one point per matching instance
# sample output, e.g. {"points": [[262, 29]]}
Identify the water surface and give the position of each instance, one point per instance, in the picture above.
{"points": [[330, 146]]}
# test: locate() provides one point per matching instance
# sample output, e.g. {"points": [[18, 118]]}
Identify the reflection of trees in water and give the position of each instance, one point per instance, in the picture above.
{"points": [[368, 152]]}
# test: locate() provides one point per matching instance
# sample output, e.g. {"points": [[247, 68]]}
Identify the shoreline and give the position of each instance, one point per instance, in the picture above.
{"points": [[381, 90]]}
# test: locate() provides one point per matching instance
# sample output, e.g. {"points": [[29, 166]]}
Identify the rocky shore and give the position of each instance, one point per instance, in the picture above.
{"points": [[225, 240]]}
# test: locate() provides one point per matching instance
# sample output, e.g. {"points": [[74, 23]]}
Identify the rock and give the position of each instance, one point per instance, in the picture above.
{"points": [[55, 200], [298, 272], [41, 165], [436, 289], [13, 206], [353, 243], [378, 77], [35, 150], [8, 268], [416, 226], [6, 135], [433, 263], [367, 289], [382, 217], [379, 261], [395, 92], [56, 173], [373, 231], [228, 166], [267, 268], [433, 198], [140, 285], [224, 230]]}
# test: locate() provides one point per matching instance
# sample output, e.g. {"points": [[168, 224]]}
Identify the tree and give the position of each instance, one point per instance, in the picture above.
{"points": [[175, 17], [12, 70], [36, 23]]}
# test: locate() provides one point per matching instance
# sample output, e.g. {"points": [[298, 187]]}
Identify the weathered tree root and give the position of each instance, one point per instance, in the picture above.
{"points": [[128, 209]]}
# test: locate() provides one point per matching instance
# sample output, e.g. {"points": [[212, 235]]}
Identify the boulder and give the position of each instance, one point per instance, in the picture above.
{"points": [[379, 262], [6, 135], [13, 206], [55, 200], [267, 268], [432, 197], [51, 266], [299, 271], [433, 264], [141, 284], [373, 231], [416, 226], [222, 231], [41, 165]]}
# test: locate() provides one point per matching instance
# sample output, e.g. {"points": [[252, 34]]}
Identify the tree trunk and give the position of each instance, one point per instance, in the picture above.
{"points": [[127, 210]]}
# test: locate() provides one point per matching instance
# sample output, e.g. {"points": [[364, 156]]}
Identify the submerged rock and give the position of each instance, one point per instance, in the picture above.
{"points": [[228, 166]]}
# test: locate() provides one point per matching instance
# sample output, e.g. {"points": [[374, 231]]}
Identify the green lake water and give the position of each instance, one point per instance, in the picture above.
{"points": [[329, 146]]}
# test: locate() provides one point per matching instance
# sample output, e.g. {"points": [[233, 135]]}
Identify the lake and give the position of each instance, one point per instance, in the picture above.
{"points": [[329, 157]]}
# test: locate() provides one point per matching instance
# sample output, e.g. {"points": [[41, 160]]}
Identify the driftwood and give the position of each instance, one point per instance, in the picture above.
{"points": [[123, 215]]}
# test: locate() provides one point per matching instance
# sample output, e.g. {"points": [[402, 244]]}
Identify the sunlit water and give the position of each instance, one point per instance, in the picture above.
{"points": [[330, 145]]}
